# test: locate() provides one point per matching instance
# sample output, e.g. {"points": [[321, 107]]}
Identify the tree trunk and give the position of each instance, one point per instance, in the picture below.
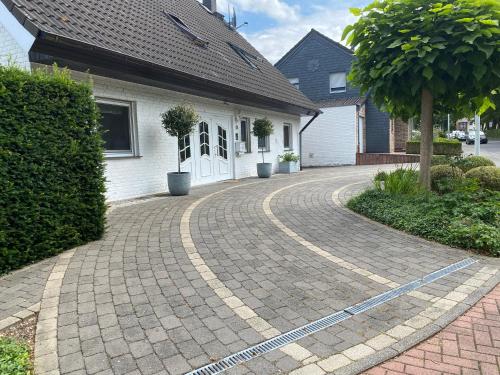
{"points": [[426, 139], [178, 156]]}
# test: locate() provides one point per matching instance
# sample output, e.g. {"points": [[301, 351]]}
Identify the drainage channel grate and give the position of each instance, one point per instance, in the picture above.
{"points": [[323, 323]]}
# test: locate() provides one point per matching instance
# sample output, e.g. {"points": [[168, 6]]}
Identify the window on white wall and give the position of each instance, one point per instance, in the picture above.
{"points": [[264, 144], [338, 82], [295, 82], [287, 137], [119, 129], [245, 134]]}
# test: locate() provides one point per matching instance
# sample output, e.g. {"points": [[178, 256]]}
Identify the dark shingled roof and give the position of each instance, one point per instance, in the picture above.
{"points": [[341, 102], [309, 34], [140, 29]]}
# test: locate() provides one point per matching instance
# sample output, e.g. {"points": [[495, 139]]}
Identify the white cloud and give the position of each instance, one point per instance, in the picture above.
{"points": [[275, 9], [274, 42]]}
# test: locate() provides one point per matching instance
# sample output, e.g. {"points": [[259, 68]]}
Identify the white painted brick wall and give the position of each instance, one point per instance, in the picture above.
{"points": [[11, 51], [331, 139], [134, 177]]}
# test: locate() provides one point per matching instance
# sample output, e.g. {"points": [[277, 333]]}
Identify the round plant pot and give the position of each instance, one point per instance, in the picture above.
{"points": [[264, 170], [179, 183]]}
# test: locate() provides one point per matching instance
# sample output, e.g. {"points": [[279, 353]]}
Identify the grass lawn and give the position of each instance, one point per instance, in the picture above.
{"points": [[14, 357], [469, 220]]}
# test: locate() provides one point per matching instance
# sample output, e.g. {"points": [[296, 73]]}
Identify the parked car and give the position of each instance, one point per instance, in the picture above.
{"points": [[471, 137], [459, 134]]}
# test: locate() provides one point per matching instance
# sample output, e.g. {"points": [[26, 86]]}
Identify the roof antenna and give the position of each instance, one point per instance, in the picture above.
{"points": [[233, 21], [243, 24]]}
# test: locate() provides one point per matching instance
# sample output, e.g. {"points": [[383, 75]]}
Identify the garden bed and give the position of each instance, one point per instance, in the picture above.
{"points": [[16, 348], [461, 213]]}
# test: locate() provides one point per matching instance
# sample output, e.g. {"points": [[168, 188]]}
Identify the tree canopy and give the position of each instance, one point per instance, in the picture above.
{"points": [[450, 47]]}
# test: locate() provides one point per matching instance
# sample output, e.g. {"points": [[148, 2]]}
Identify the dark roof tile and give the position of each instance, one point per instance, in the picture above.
{"points": [[140, 29]]}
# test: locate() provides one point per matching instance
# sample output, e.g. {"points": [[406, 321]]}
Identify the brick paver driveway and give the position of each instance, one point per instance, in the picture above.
{"points": [[178, 283]]}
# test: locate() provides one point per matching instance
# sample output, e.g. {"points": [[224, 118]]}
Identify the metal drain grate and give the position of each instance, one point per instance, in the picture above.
{"points": [[447, 270], [383, 298], [323, 323]]}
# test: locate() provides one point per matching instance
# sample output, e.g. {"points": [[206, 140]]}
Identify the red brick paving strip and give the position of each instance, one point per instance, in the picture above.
{"points": [[468, 346]]}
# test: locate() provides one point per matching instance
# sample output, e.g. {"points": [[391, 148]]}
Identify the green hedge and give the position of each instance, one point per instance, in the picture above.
{"points": [[51, 166], [442, 146], [492, 133]]}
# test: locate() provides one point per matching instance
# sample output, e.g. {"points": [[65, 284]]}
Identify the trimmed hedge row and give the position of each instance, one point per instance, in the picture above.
{"points": [[51, 166], [441, 147]]}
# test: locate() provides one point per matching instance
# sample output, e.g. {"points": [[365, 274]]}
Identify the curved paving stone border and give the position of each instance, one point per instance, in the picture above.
{"points": [[137, 303]]}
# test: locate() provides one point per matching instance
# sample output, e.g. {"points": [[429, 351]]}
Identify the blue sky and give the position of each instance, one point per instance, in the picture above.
{"points": [[275, 26]]}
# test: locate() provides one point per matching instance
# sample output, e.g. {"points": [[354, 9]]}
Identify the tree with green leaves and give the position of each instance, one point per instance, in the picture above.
{"points": [[262, 128], [179, 122], [419, 55]]}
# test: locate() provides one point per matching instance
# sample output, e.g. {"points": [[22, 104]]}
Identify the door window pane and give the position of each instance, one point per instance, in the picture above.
{"points": [[115, 120], [263, 143], [185, 148], [204, 139], [222, 142]]}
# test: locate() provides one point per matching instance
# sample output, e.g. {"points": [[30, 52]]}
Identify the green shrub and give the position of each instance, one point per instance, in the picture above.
{"points": [[466, 219], [289, 157], [401, 181], [444, 172], [441, 146], [488, 177], [441, 160], [380, 176], [179, 122], [51, 166], [492, 133], [471, 162], [14, 358]]}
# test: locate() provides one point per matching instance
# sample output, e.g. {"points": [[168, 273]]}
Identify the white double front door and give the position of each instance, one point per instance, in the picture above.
{"points": [[207, 152]]}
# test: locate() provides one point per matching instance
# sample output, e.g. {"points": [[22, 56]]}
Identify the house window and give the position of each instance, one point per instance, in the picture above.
{"points": [[185, 148], [119, 132], [264, 144], [338, 82], [245, 134], [247, 57], [287, 136], [295, 82], [186, 30]]}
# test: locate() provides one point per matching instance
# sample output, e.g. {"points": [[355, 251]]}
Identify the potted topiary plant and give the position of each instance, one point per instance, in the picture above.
{"points": [[263, 128], [179, 122], [289, 163]]}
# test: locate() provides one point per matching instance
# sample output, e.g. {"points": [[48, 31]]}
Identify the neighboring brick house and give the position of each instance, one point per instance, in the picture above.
{"points": [[350, 123], [145, 56], [399, 135]]}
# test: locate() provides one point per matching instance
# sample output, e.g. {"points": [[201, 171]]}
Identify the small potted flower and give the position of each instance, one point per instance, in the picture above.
{"points": [[289, 163], [263, 128], [179, 122]]}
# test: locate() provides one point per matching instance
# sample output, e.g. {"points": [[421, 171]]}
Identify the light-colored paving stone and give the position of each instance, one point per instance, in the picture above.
{"points": [[177, 283]]}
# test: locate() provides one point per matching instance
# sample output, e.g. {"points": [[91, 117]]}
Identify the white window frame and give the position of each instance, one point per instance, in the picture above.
{"points": [[248, 134], [295, 82], [134, 143], [267, 148], [338, 89], [290, 137]]}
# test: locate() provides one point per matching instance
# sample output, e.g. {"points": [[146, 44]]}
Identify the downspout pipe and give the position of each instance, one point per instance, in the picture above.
{"points": [[300, 135]]}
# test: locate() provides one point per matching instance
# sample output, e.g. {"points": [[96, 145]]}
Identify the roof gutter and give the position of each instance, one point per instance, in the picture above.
{"points": [[302, 130]]}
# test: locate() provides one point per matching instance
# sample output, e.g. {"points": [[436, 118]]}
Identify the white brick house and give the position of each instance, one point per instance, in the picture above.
{"points": [[344, 127], [193, 58]]}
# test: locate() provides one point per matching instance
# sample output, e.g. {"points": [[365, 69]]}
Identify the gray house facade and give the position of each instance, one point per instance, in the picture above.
{"points": [[318, 67]]}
